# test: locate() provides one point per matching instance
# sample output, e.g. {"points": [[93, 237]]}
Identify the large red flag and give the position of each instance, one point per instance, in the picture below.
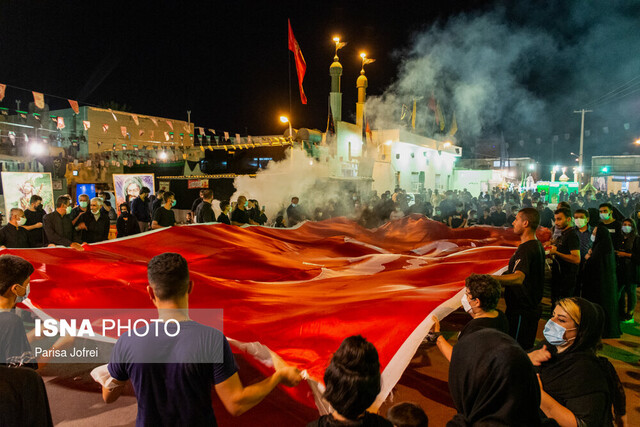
{"points": [[301, 65]]}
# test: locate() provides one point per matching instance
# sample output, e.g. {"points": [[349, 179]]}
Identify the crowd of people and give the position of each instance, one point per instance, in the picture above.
{"points": [[498, 375]]}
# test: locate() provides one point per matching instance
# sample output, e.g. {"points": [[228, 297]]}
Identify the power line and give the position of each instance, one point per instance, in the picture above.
{"points": [[616, 98], [625, 86]]}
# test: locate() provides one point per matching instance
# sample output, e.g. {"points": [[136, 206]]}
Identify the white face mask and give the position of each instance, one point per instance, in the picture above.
{"points": [[25, 296], [580, 222], [593, 237], [22, 221], [465, 303]]}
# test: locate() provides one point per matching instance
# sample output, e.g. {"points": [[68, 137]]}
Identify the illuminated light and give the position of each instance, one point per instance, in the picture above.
{"points": [[447, 144], [336, 39], [284, 119], [310, 162], [556, 168], [532, 166], [388, 142], [36, 149], [363, 55], [637, 141], [163, 155], [604, 169]]}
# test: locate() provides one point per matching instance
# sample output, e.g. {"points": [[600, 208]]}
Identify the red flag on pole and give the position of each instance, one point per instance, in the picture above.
{"points": [[2, 89], [135, 119], [60, 124], [38, 98], [301, 65], [86, 124], [74, 106]]}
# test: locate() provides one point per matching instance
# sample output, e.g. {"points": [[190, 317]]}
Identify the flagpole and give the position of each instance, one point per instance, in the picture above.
{"points": [[289, 67]]}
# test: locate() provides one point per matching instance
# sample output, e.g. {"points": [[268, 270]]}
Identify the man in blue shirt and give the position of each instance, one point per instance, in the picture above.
{"points": [[179, 393]]}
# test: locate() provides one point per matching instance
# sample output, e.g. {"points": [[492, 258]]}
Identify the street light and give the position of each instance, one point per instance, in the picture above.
{"points": [[285, 119], [532, 166], [637, 141]]}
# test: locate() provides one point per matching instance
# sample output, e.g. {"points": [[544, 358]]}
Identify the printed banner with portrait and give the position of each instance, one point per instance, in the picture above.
{"points": [[18, 187], [127, 186]]}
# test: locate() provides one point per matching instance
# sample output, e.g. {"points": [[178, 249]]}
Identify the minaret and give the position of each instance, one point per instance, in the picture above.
{"points": [[361, 84], [335, 96]]}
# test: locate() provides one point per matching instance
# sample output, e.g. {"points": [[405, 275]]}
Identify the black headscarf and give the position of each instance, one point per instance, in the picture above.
{"points": [[603, 244], [576, 371], [492, 382]]}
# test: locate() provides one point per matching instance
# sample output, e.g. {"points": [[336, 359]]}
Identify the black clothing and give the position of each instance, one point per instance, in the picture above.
{"points": [[127, 225], [510, 220], [97, 229], [223, 218], [599, 281], [628, 270], [157, 203], [546, 217], [204, 213], [457, 219], [498, 218], [240, 216], [367, 420], [256, 215], [492, 382], [498, 323], [14, 346], [195, 204], [576, 378], [14, 237], [141, 209], [563, 273], [23, 398], [36, 236], [76, 212], [615, 228], [294, 215], [523, 301], [164, 217], [58, 229]]}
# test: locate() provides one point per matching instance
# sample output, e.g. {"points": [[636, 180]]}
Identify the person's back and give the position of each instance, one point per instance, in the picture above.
{"points": [[157, 385]]}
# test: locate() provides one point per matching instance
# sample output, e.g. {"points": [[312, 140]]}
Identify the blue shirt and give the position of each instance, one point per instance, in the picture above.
{"points": [[174, 394], [585, 241]]}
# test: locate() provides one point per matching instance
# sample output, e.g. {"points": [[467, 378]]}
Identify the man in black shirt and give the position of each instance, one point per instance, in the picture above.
{"points": [[524, 280], [614, 226], [240, 216], [35, 215], [13, 235], [546, 215], [93, 224], [204, 211], [58, 227], [164, 216], [295, 213], [157, 202], [225, 208], [498, 217], [197, 202], [566, 252], [83, 206]]}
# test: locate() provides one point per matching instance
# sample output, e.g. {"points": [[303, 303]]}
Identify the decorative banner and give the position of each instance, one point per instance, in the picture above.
{"points": [[12, 137], [36, 116], [105, 127], [74, 106], [166, 135], [213, 131], [135, 119], [170, 124], [60, 124], [151, 134], [38, 98], [238, 139], [197, 183], [141, 132], [4, 112], [86, 124], [201, 131], [164, 185], [2, 89], [18, 188], [249, 140], [113, 114], [123, 130], [226, 136], [154, 120]]}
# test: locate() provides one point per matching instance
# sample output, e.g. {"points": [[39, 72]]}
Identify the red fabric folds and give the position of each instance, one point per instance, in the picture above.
{"points": [[299, 292]]}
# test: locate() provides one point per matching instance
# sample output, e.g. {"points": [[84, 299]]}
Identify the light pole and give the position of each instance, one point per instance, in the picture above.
{"points": [[583, 111], [285, 119]]}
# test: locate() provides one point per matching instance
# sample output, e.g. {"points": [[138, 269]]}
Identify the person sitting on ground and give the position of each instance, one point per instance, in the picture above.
{"points": [[15, 275], [407, 414], [578, 388], [482, 293], [225, 208], [352, 382], [164, 215], [492, 382], [127, 224], [176, 390], [13, 235]]}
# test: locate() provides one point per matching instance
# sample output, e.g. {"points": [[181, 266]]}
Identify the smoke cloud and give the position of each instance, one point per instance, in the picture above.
{"points": [[521, 71]]}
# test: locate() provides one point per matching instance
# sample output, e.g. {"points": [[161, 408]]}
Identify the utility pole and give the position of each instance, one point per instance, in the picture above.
{"points": [[583, 111], [189, 123]]}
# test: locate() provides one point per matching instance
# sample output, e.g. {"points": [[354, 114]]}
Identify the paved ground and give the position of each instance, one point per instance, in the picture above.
{"points": [[76, 401]]}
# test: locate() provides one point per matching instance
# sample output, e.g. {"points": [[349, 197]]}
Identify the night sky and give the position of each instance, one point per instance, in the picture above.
{"points": [[228, 61]]}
